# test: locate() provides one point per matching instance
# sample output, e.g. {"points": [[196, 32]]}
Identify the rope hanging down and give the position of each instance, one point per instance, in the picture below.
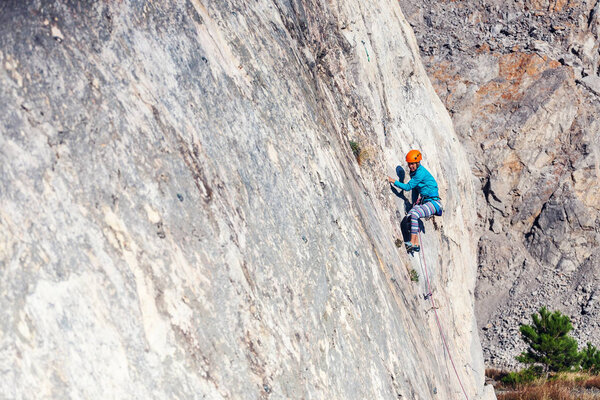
{"points": [[437, 318]]}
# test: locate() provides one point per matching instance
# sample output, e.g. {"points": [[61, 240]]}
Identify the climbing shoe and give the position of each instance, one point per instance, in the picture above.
{"points": [[411, 247]]}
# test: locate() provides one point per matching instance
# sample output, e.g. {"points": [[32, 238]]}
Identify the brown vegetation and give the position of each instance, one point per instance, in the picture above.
{"points": [[495, 374], [592, 383], [563, 386]]}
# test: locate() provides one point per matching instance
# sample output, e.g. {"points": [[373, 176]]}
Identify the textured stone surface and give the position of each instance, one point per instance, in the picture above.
{"points": [[520, 80], [182, 215]]}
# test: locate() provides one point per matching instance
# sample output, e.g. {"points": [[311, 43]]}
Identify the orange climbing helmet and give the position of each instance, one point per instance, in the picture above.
{"points": [[413, 156]]}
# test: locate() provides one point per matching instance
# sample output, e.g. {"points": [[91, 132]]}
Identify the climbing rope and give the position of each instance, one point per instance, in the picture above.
{"points": [[437, 318]]}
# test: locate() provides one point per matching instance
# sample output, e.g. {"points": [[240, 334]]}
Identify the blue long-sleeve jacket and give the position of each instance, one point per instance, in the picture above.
{"points": [[423, 181]]}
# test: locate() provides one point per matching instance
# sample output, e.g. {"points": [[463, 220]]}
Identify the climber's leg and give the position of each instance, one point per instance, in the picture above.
{"points": [[417, 212]]}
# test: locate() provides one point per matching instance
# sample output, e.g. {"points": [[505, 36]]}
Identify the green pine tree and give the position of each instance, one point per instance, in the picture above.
{"points": [[549, 343], [590, 360]]}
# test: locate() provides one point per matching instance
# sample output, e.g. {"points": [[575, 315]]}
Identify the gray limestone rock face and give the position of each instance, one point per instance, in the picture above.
{"points": [[182, 215], [520, 80]]}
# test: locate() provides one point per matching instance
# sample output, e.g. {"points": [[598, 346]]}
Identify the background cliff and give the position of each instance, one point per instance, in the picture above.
{"points": [[521, 81], [182, 215]]}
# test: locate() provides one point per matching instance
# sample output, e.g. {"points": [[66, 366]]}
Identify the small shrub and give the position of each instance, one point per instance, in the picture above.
{"points": [[526, 375], [355, 149], [399, 243], [414, 275], [359, 153], [590, 359], [495, 374]]}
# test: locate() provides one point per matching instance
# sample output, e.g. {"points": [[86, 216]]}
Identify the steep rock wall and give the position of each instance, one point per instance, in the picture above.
{"points": [[522, 83], [183, 217]]}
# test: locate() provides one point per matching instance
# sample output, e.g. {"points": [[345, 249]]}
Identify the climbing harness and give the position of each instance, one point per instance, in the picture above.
{"points": [[427, 218], [429, 295], [438, 211]]}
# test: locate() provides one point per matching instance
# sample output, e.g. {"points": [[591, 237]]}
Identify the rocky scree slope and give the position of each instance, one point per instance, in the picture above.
{"points": [[521, 82], [182, 215]]}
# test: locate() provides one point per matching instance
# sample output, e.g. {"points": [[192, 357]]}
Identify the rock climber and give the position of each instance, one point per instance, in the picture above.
{"points": [[429, 202]]}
